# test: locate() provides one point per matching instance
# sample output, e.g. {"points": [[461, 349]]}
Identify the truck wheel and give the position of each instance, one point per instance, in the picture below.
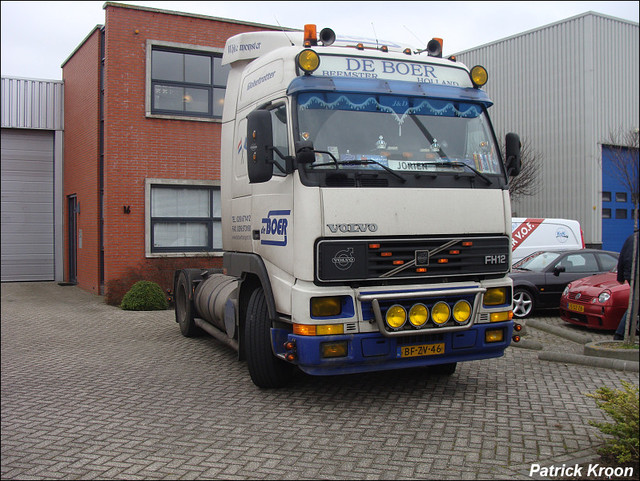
{"points": [[184, 308], [443, 369], [522, 303], [266, 370]]}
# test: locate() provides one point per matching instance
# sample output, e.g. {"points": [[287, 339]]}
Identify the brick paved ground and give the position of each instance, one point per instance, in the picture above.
{"points": [[93, 392]]}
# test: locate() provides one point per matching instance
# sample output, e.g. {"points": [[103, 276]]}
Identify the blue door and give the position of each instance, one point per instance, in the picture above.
{"points": [[617, 208]]}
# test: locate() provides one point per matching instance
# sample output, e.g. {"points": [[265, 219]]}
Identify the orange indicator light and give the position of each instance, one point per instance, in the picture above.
{"points": [[421, 269], [467, 244], [386, 254], [454, 252], [304, 330], [374, 246], [443, 261], [398, 263]]}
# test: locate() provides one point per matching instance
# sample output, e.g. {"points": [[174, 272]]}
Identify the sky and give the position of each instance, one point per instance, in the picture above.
{"points": [[37, 37]]}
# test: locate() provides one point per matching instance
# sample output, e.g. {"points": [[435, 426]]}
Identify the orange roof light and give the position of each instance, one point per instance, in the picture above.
{"points": [[310, 34]]}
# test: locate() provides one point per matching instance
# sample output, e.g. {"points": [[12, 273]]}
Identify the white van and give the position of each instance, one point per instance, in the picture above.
{"points": [[531, 235]]}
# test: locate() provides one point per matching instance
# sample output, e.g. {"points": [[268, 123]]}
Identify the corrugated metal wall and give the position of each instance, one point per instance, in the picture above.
{"points": [[564, 87], [32, 104], [32, 209]]}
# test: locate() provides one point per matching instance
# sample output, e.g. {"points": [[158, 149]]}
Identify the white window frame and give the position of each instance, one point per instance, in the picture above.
{"points": [[148, 183]]}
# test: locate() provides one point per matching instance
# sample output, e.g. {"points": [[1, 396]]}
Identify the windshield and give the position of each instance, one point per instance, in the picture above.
{"points": [[537, 262], [405, 134]]}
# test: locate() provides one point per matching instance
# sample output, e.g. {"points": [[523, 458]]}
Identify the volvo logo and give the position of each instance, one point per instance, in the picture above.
{"points": [[351, 228], [344, 259], [422, 258]]}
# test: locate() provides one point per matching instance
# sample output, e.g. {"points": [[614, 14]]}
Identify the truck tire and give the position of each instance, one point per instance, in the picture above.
{"points": [[266, 370], [184, 308]]}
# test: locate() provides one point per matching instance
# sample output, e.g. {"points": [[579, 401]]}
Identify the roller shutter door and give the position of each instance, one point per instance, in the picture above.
{"points": [[27, 205]]}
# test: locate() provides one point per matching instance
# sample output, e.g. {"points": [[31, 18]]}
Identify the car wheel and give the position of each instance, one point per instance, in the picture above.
{"points": [[522, 303], [266, 370]]}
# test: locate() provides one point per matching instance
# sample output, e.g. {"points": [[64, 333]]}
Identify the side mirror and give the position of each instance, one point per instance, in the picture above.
{"points": [[260, 142], [558, 269], [512, 159], [304, 152]]}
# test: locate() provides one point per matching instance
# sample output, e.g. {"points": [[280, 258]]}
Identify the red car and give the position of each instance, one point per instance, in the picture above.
{"points": [[596, 302]]}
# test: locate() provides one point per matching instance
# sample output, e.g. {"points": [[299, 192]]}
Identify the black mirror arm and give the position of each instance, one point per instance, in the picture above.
{"points": [[287, 158]]}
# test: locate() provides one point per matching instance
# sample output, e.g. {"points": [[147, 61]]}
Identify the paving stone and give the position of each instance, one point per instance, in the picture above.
{"points": [[89, 391]]}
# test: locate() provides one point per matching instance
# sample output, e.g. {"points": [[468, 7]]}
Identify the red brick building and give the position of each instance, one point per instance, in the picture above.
{"points": [[143, 99]]}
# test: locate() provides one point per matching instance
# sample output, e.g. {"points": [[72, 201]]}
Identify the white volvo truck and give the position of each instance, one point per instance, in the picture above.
{"points": [[366, 218]]}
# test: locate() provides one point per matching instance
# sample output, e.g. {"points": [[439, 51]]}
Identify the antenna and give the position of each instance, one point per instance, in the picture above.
{"points": [[375, 35], [420, 41], [283, 31]]}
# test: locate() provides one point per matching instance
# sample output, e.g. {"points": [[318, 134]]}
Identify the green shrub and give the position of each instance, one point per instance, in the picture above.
{"points": [[622, 407], [144, 296]]}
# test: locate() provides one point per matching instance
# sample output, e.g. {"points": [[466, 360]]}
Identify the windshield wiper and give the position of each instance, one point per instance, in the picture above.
{"points": [[337, 163], [371, 161], [462, 164]]}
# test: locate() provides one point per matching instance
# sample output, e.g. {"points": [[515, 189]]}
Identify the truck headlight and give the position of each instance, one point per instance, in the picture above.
{"points": [[496, 296], [461, 312], [440, 313], [396, 316], [418, 315]]}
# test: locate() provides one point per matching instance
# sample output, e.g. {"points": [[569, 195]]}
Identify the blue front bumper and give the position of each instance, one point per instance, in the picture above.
{"points": [[374, 352]]}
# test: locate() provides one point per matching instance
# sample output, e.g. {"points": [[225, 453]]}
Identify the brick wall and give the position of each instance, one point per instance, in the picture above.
{"points": [[135, 147], [81, 150]]}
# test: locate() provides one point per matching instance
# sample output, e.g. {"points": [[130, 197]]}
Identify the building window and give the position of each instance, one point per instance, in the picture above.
{"points": [[187, 82], [621, 196], [184, 218], [621, 213], [606, 197], [606, 213]]}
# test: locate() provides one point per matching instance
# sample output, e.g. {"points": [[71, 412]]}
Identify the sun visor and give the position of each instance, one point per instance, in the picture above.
{"points": [[377, 86]]}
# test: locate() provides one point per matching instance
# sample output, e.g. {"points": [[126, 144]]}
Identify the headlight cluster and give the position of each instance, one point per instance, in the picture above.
{"points": [[419, 315]]}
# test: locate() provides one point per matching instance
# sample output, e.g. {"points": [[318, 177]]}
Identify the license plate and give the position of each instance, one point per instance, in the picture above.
{"points": [[421, 350], [575, 307]]}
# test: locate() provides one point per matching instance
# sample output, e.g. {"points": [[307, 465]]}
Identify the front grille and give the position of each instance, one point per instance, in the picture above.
{"points": [[411, 258], [582, 297]]}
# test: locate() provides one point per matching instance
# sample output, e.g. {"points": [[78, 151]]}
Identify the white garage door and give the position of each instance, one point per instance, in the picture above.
{"points": [[27, 205]]}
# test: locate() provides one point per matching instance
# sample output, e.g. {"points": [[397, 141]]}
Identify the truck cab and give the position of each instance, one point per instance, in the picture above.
{"points": [[365, 205]]}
